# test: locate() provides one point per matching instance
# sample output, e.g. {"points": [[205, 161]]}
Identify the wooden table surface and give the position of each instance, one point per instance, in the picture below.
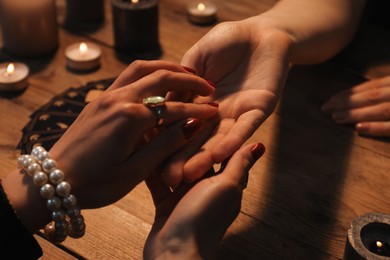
{"points": [[315, 178]]}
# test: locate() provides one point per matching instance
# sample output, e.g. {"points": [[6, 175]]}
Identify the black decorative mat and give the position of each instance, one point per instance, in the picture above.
{"points": [[49, 122]]}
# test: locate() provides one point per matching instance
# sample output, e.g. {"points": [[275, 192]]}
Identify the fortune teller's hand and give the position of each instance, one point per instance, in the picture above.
{"points": [[249, 67], [366, 105], [103, 154], [191, 221]]}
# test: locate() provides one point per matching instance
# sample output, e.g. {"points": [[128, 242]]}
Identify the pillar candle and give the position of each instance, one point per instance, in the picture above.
{"points": [[29, 27], [84, 13], [136, 26]]}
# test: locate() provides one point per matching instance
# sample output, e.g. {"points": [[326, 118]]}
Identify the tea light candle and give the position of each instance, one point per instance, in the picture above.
{"points": [[83, 56], [13, 76], [202, 12], [369, 237], [135, 25]]}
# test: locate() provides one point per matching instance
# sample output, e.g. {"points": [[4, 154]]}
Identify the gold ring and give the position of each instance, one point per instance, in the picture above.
{"points": [[157, 103]]}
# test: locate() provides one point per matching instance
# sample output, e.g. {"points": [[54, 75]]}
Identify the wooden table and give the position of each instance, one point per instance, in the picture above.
{"points": [[315, 178]]}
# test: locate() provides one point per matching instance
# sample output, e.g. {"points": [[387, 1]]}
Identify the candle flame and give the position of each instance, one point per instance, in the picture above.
{"points": [[379, 244], [83, 48], [201, 6], [134, 1], [10, 70]]}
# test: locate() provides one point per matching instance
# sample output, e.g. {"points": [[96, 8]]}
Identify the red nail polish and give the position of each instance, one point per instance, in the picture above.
{"points": [[362, 126], [191, 128], [213, 104], [190, 70], [211, 83], [258, 151]]}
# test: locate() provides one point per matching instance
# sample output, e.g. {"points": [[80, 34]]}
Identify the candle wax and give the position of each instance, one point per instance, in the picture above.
{"points": [[83, 56], [202, 12], [15, 80]]}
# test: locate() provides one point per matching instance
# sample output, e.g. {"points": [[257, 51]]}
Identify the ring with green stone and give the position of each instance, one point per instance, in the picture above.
{"points": [[157, 103]]}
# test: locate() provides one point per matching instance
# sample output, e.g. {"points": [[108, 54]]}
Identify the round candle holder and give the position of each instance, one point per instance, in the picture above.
{"points": [[83, 56], [202, 12], [369, 238], [84, 14], [13, 76], [135, 26]]}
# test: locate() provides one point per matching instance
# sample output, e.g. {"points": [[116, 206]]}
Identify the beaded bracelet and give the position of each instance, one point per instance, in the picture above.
{"points": [[66, 216]]}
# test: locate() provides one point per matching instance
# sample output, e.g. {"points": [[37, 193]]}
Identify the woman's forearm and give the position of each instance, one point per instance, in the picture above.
{"points": [[318, 28]]}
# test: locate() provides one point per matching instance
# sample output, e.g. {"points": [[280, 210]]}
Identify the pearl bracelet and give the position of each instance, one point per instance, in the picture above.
{"points": [[66, 216]]}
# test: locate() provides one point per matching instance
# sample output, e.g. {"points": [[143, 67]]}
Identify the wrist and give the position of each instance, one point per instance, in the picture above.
{"points": [[274, 40], [26, 201]]}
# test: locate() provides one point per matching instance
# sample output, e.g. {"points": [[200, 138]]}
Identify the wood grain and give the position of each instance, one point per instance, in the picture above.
{"points": [[314, 179]]}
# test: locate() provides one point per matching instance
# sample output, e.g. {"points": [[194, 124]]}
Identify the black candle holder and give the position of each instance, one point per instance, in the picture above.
{"points": [[136, 27], [369, 238], [84, 14]]}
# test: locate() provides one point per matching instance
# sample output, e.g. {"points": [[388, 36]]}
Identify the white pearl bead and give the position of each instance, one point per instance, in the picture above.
{"points": [[26, 161], [43, 155], [48, 165], [53, 203], [63, 189], [37, 150], [40, 178], [33, 168], [69, 201], [47, 191], [58, 215], [56, 176], [21, 159]]}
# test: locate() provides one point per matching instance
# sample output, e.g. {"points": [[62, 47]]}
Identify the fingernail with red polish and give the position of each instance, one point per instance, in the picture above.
{"points": [[362, 127], [213, 104], [211, 83], [191, 128], [258, 151], [190, 70]]}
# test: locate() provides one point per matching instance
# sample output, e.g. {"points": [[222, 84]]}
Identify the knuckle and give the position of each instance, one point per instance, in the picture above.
{"points": [[127, 110], [107, 101], [137, 65], [386, 110], [374, 95], [163, 75]]}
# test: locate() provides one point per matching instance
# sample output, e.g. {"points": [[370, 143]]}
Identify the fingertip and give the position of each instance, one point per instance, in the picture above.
{"points": [[197, 166], [362, 127], [190, 70], [257, 151]]}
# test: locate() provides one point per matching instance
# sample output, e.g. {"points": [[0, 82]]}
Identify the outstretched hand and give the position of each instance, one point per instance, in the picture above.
{"points": [[249, 66], [191, 221]]}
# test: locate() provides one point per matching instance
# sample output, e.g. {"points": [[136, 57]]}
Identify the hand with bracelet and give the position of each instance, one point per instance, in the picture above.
{"points": [[104, 154]]}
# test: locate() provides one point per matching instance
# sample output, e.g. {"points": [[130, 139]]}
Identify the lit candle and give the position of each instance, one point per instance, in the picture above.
{"points": [[202, 12], [135, 24], [368, 237], [13, 76], [83, 56], [29, 28]]}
